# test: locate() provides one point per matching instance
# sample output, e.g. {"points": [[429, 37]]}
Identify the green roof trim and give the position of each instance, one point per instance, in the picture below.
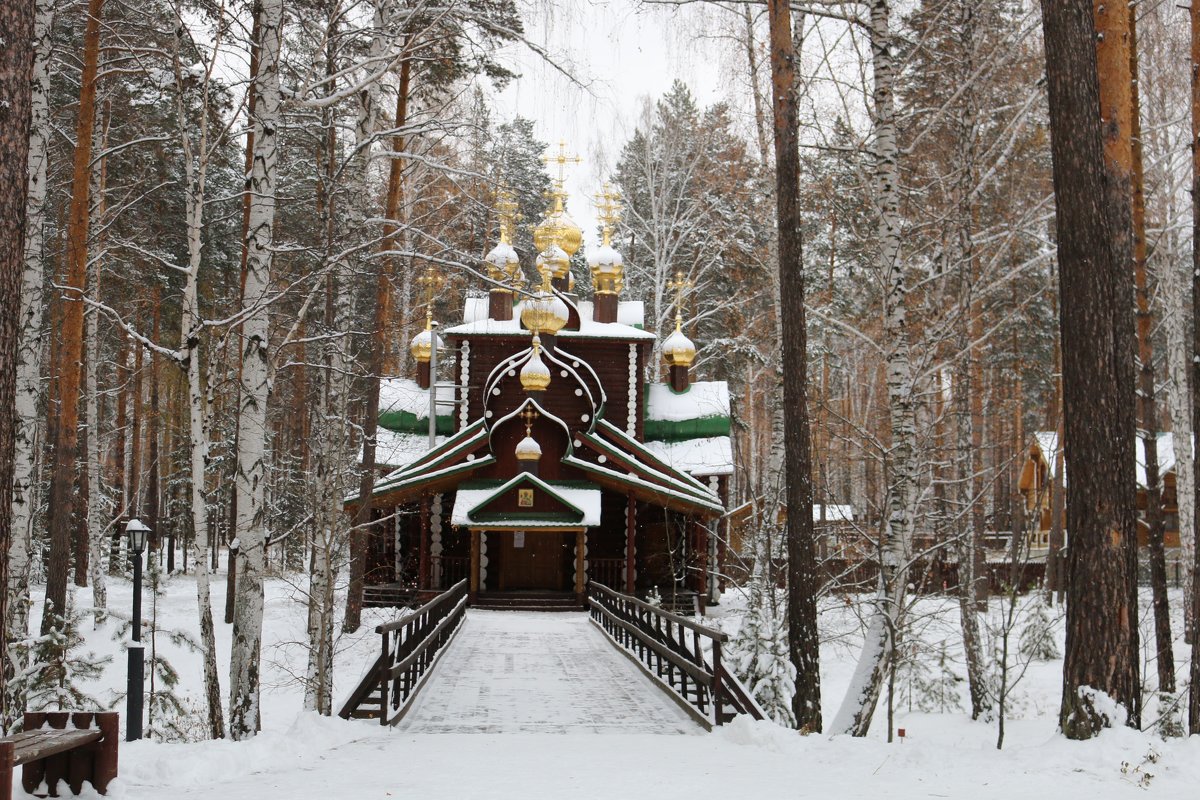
{"points": [[408, 422], [660, 430]]}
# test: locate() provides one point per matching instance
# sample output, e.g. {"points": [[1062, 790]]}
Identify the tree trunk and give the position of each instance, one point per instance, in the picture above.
{"points": [[1095, 285], [16, 88], [96, 522], [29, 363], [879, 647], [366, 485], [1148, 403], [251, 522], [195, 158], [1194, 675], [66, 439], [803, 642]]}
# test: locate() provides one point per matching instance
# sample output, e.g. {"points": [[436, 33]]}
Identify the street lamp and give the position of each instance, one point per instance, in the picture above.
{"points": [[137, 531]]}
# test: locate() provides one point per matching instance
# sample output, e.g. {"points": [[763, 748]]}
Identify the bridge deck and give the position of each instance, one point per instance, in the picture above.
{"points": [[528, 672]]}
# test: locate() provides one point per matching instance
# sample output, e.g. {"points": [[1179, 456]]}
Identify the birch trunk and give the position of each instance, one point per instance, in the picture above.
{"points": [[96, 523], [195, 158], [251, 521], [17, 22], [1194, 599], [29, 356], [1147, 394], [854, 715]]}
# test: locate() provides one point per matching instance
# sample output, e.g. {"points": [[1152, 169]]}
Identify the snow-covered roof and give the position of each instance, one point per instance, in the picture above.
{"points": [[702, 399], [398, 395], [1047, 441], [834, 513], [711, 455], [629, 312], [629, 319], [467, 501], [397, 450]]}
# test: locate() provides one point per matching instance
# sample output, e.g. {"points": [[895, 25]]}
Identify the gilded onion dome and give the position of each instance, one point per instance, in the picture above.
{"points": [[679, 350], [555, 261], [421, 345], [535, 375], [503, 264], [558, 229], [608, 269], [528, 449], [544, 312], [606, 264]]}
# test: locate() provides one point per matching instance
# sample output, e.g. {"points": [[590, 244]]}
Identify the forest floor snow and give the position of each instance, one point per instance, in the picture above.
{"points": [[531, 750]]}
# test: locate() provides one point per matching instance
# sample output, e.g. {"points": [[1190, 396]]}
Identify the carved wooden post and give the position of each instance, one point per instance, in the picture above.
{"points": [[474, 566], [580, 545], [423, 549], [630, 545], [718, 687], [702, 561]]}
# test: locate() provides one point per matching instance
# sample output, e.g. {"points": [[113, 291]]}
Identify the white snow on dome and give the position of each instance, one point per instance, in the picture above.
{"points": [[501, 255], [423, 339], [605, 255], [528, 449]]}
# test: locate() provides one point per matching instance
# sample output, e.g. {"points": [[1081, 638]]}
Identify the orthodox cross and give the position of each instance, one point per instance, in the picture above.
{"points": [[432, 282], [506, 209], [608, 203], [530, 416], [561, 159], [678, 285]]}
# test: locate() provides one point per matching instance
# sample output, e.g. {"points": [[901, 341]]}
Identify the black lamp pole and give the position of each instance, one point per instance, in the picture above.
{"points": [[137, 666]]}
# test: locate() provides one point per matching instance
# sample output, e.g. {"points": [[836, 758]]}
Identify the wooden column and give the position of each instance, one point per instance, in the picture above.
{"points": [[701, 537], [474, 565], [630, 545], [580, 544], [423, 547]]}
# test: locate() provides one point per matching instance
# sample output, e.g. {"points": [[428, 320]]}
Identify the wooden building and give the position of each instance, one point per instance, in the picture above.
{"points": [[552, 461], [1037, 484]]}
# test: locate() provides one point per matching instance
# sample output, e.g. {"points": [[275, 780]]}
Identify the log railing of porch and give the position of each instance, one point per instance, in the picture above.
{"points": [[409, 648], [672, 649], [606, 571]]}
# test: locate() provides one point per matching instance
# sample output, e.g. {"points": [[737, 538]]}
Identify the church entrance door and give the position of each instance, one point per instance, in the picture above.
{"points": [[535, 561]]}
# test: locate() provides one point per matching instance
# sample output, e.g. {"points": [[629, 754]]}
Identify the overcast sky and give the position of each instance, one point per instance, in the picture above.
{"points": [[622, 52]]}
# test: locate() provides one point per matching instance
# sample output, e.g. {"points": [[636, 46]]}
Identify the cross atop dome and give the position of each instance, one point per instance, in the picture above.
{"points": [[561, 159], [679, 284]]}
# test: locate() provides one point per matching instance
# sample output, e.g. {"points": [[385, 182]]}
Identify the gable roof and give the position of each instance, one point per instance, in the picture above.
{"points": [[580, 504]]}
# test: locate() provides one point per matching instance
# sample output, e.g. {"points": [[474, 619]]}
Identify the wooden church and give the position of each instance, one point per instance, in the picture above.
{"points": [[549, 460]]}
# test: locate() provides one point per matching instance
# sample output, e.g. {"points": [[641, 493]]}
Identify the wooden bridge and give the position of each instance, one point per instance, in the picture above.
{"points": [[624, 666]]}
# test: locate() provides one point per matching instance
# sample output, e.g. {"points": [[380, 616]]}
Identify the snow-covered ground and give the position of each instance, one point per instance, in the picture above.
{"points": [[514, 740]]}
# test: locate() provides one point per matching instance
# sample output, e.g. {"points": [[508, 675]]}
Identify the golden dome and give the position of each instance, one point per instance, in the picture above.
{"points": [[528, 449], [608, 270], [503, 265], [555, 261], [535, 375], [679, 350], [544, 313], [421, 345], [557, 228]]}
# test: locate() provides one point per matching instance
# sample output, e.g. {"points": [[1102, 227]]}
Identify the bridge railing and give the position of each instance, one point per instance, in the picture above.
{"points": [[672, 648], [408, 648]]}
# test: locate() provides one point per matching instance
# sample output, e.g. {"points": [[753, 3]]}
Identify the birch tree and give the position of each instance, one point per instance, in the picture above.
{"points": [[16, 89], [251, 524], [29, 361]]}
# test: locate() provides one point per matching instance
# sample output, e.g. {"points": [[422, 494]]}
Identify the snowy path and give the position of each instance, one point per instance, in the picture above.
{"points": [[529, 672]]}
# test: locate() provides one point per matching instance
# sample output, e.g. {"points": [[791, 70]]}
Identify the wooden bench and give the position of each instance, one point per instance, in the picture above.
{"points": [[61, 746]]}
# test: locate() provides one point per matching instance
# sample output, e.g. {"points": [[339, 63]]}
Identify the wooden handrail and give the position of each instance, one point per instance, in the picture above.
{"points": [[395, 625], [408, 649], [658, 639], [703, 630]]}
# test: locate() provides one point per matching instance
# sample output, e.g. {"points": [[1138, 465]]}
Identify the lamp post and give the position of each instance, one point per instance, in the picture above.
{"points": [[137, 531]]}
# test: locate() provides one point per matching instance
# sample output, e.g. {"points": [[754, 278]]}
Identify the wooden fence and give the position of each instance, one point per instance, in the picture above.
{"points": [[672, 649]]}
